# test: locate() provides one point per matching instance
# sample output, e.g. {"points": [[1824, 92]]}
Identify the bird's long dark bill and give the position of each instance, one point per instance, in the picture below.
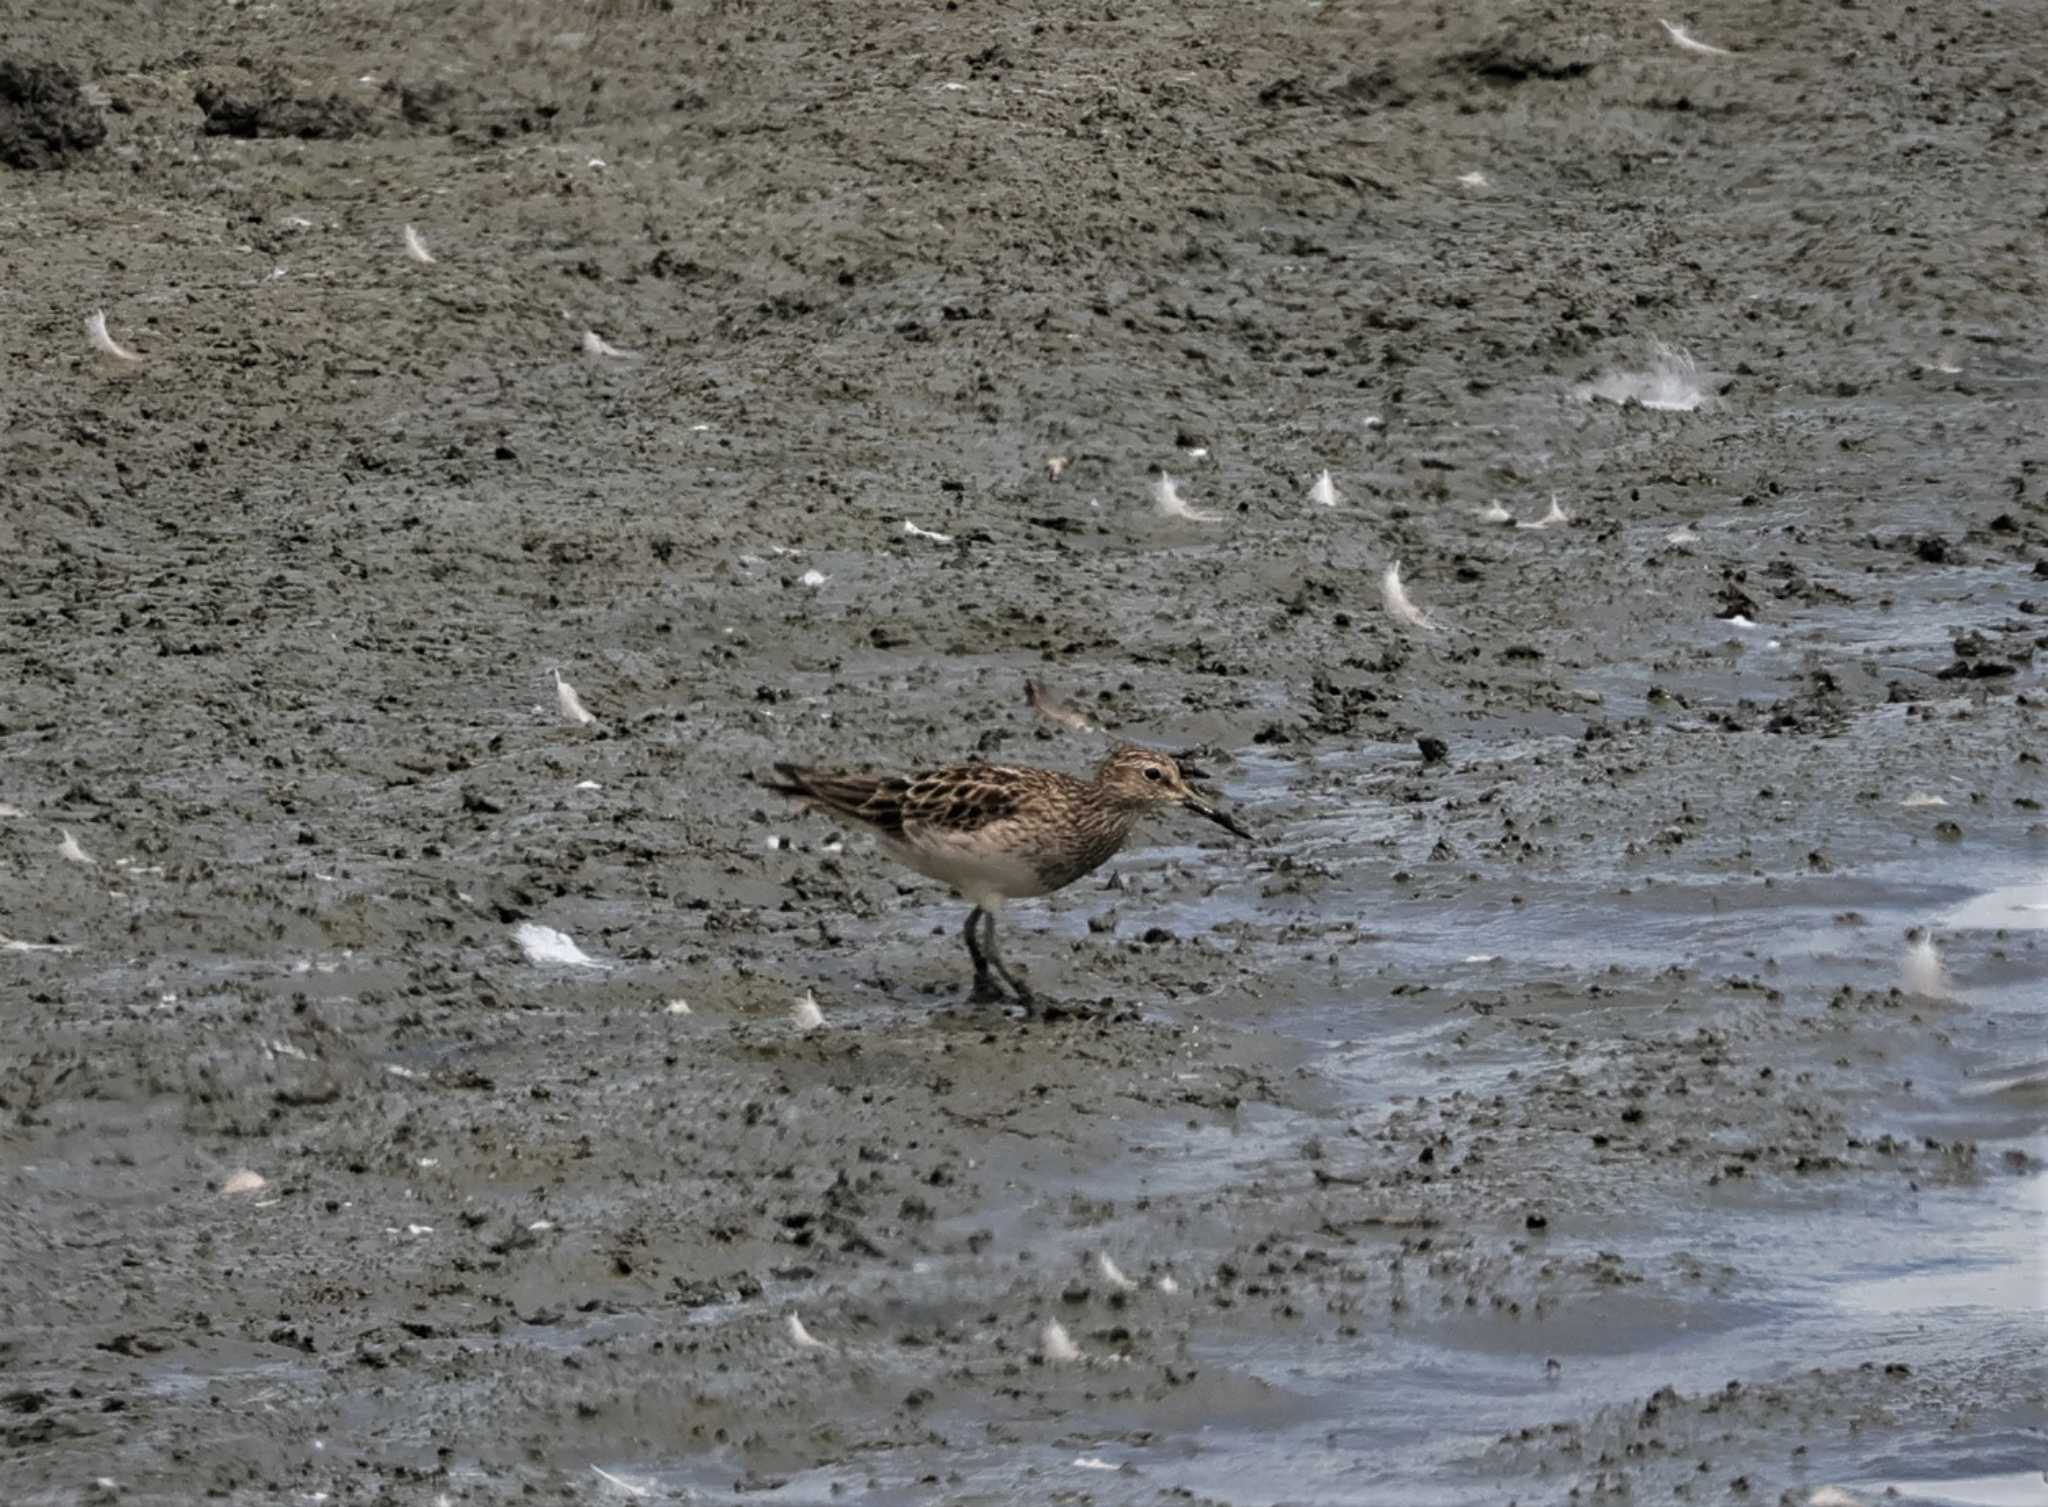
{"points": [[1203, 808]]}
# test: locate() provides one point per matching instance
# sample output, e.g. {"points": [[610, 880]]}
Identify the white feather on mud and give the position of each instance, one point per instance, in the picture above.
{"points": [[1920, 800], [15, 944], [1557, 517], [243, 1182], [1668, 383], [679, 1007], [813, 578], [1055, 466], [1922, 973], [596, 345], [630, 1488], [71, 852], [1493, 512], [1692, 43], [1400, 606], [571, 703], [1681, 536], [1324, 492], [543, 944], [416, 248], [1055, 711], [805, 1014], [1473, 179], [1056, 1345], [1166, 499], [913, 531], [104, 343], [7, 809], [1167, 1285], [802, 1337], [1112, 1274]]}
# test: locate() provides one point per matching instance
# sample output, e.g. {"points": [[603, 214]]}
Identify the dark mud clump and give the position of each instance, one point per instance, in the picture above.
{"points": [[45, 118], [267, 106]]}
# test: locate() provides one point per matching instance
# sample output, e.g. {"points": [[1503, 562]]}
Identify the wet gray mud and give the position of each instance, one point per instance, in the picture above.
{"points": [[1547, 1121]]}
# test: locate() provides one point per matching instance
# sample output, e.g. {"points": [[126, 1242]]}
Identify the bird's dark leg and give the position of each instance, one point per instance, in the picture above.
{"points": [[988, 945], [985, 990]]}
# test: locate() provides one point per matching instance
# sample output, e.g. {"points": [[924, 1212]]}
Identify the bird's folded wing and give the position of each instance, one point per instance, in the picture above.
{"points": [[958, 801]]}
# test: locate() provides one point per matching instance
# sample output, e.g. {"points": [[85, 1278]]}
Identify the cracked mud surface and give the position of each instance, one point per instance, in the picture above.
{"points": [[1542, 1120]]}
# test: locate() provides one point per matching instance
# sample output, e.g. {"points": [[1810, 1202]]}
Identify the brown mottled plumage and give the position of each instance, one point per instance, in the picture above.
{"points": [[995, 832]]}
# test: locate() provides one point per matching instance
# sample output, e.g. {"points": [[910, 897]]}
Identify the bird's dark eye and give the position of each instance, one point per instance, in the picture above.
{"points": [[1151, 774]]}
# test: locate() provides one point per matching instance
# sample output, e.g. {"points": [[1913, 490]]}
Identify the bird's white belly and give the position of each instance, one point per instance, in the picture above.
{"points": [[986, 874]]}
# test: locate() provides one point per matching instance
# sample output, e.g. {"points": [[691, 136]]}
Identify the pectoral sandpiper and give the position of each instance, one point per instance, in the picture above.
{"points": [[996, 833]]}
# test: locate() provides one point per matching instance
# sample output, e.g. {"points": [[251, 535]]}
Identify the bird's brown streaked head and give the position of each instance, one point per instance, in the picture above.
{"points": [[1139, 778]]}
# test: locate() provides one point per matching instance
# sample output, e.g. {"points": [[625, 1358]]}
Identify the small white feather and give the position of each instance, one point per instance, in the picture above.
{"points": [[1669, 383], [1922, 972], [1399, 606], [107, 345], [1473, 179], [416, 248], [1833, 1496], [805, 1014], [813, 578], [1168, 1286], [14, 944], [630, 1488], [1055, 465], [1111, 1274], [242, 1182], [1692, 43], [71, 852], [1057, 1347], [1918, 801], [1055, 711], [1324, 492], [596, 345], [543, 944], [1093, 1462], [1681, 535], [1167, 499], [571, 703], [679, 1007], [801, 1337], [924, 533], [8, 809], [1555, 518], [1493, 512]]}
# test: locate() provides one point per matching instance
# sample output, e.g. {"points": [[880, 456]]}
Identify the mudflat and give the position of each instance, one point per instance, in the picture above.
{"points": [[1553, 1104]]}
